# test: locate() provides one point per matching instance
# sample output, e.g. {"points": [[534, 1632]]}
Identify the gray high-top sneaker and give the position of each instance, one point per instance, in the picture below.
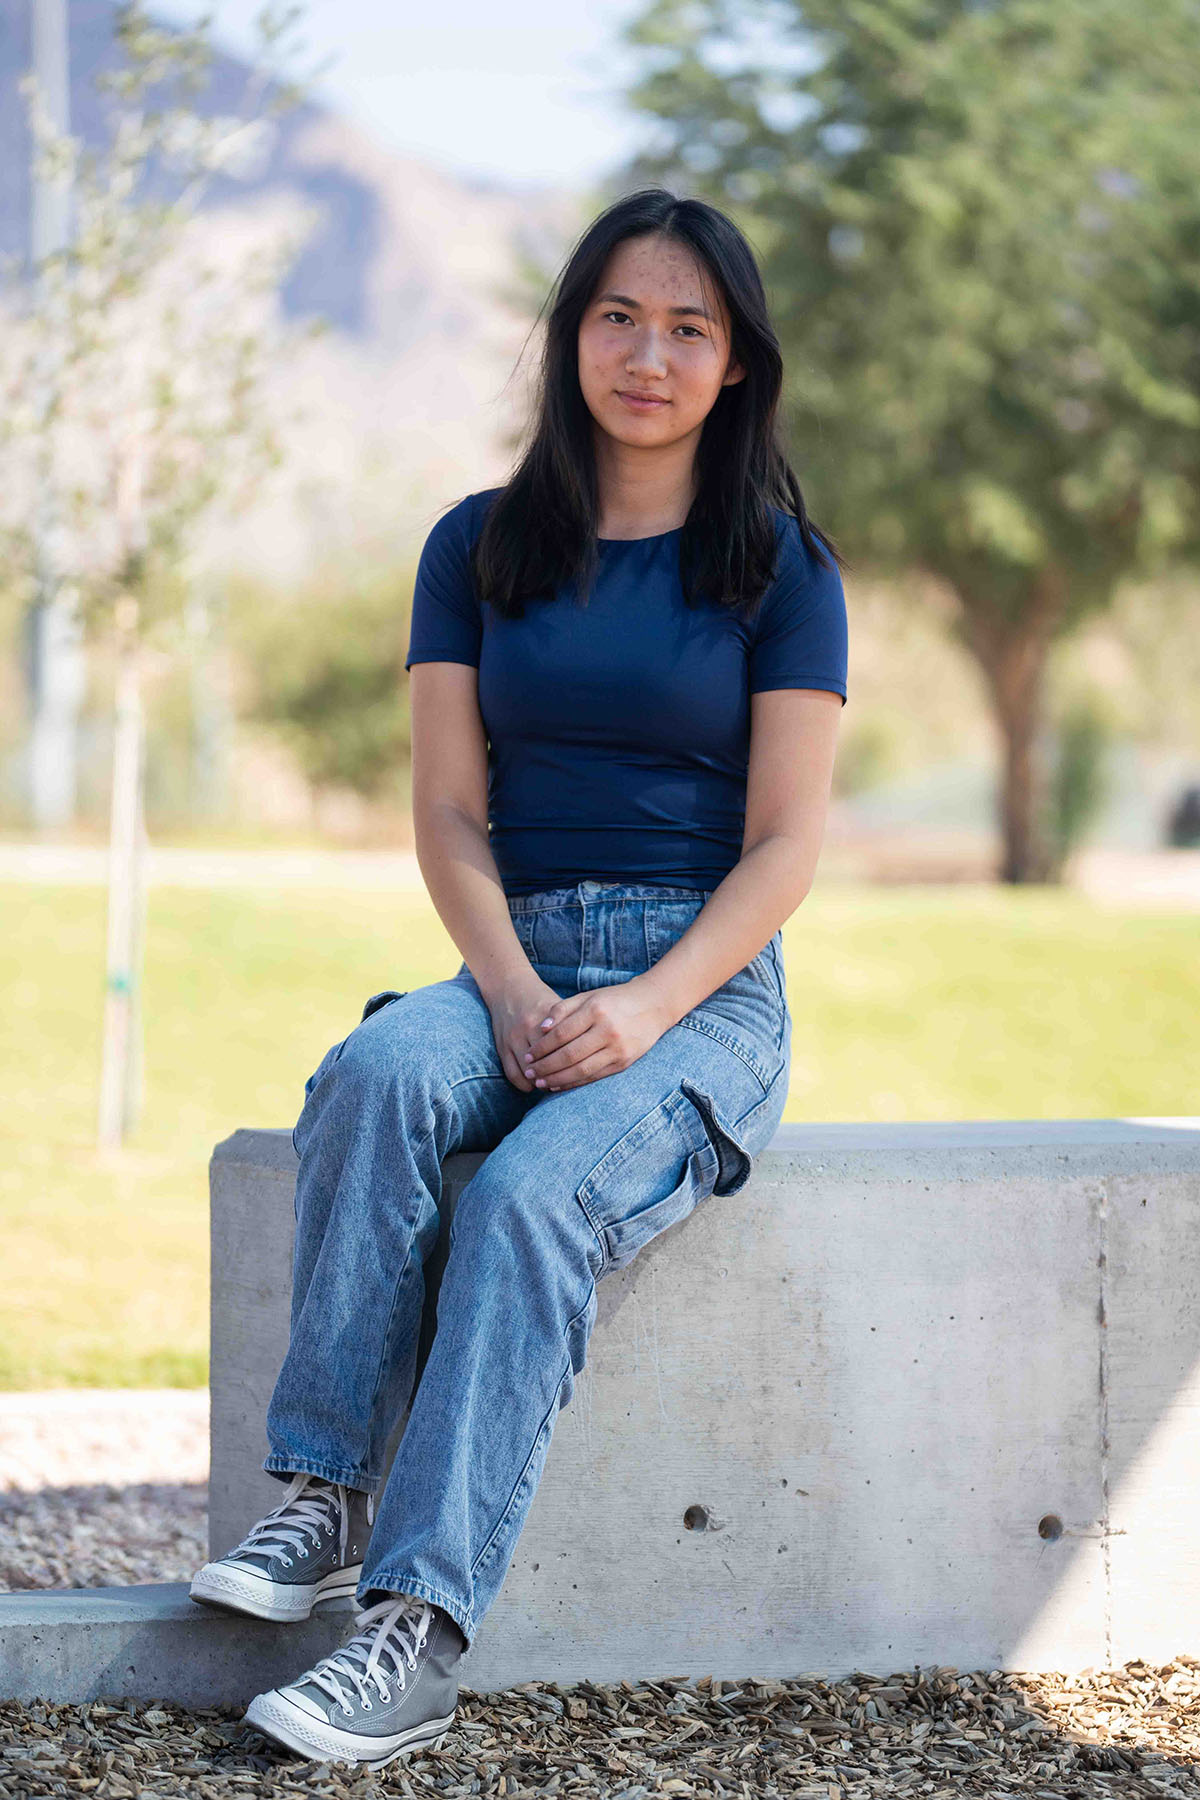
{"points": [[390, 1690], [308, 1549]]}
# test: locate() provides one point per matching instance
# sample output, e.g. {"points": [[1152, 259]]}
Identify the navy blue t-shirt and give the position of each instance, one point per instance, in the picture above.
{"points": [[619, 731]]}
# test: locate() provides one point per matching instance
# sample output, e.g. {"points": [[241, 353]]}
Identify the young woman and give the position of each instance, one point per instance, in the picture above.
{"points": [[628, 665]]}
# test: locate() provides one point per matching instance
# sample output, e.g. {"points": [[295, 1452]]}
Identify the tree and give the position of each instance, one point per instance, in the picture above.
{"points": [[331, 696], [981, 234], [133, 389]]}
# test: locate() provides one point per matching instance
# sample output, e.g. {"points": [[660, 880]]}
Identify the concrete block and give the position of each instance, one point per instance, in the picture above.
{"points": [[885, 1405], [151, 1643], [1148, 1378]]}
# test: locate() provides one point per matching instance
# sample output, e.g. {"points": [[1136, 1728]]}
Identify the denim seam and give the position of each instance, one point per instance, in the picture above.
{"points": [[731, 1043], [755, 968], [486, 1554], [387, 1335], [552, 1409], [759, 1104]]}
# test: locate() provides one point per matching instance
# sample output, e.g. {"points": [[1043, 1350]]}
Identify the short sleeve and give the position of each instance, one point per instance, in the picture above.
{"points": [[802, 638], [446, 624]]}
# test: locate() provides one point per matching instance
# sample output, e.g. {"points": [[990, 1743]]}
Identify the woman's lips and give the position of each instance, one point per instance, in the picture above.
{"points": [[639, 403]]}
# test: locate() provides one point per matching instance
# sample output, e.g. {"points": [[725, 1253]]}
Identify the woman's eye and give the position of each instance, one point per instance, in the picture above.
{"points": [[620, 315]]}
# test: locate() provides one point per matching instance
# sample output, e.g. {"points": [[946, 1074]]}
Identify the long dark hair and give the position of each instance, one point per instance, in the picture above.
{"points": [[540, 529]]}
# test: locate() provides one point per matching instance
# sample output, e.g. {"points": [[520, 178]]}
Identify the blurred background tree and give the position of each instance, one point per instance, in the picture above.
{"points": [[979, 227], [133, 396], [325, 669]]}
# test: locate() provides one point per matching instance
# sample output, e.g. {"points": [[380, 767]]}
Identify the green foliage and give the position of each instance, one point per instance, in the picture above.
{"points": [[327, 671], [1079, 780], [980, 230], [865, 756], [979, 226]]}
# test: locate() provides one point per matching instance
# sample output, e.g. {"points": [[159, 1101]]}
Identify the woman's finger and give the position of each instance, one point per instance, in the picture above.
{"points": [[589, 1043], [514, 1071], [593, 1068]]}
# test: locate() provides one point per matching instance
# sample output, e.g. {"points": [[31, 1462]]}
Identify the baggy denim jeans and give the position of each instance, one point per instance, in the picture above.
{"points": [[575, 1183]]}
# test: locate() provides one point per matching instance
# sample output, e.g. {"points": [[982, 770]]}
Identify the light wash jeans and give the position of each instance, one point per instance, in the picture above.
{"points": [[576, 1183]]}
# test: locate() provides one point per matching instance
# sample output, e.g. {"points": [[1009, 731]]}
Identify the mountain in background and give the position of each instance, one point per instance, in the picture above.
{"points": [[409, 398]]}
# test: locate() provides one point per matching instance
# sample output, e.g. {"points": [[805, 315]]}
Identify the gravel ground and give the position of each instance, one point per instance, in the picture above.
{"points": [[931, 1732]]}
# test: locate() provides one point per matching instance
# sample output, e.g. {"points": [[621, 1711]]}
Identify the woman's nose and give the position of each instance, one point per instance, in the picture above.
{"points": [[646, 354]]}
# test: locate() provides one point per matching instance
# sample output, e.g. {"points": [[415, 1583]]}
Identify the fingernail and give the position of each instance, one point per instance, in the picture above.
{"points": [[546, 1023], [540, 1082]]}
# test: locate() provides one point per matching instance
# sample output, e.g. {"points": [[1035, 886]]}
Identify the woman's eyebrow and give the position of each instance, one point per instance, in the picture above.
{"points": [[624, 300]]}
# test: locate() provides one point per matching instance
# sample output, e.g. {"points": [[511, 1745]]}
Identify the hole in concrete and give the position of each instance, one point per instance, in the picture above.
{"points": [[696, 1518], [1050, 1526]]}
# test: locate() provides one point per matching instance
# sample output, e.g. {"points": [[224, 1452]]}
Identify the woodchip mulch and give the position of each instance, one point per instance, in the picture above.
{"points": [[1131, 1731], [933, 1733]]}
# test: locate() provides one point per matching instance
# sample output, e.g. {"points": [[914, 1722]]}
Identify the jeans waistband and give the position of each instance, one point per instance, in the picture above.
{"points": [[603, 890]]}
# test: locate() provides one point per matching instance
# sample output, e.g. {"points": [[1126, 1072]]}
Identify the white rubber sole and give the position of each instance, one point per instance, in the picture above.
{"points": [[275, 1718], [241, 1589]]}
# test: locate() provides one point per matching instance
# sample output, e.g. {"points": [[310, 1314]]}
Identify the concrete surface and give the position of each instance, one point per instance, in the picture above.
{"points": [[151, 1643], [918, 1393]]}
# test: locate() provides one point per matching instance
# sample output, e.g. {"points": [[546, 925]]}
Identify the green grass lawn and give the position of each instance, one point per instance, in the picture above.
{"points": [[907, 1003]]}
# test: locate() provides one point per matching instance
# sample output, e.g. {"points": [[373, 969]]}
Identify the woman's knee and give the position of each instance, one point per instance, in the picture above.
{"points": [[411, 1041]]}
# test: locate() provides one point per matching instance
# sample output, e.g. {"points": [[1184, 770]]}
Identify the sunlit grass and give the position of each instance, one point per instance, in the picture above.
{"points": [[907, 1003]]}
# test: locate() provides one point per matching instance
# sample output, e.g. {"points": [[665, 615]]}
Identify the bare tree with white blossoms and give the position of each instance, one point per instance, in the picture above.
{"points": [[135, 382]]}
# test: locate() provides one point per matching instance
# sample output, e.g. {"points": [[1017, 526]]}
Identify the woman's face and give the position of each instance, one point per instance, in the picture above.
{"points": [[655, 328]]}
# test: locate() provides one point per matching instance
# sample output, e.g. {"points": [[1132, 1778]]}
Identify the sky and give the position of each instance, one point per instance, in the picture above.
{"points": [[523, 94]]}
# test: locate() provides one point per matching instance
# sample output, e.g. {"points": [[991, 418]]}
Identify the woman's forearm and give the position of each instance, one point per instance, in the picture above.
{"points": [[740, 916], [464, 884]]}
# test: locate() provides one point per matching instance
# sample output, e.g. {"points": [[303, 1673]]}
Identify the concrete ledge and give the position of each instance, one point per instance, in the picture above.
{"points": [[151, 1643], [917, 1393]]}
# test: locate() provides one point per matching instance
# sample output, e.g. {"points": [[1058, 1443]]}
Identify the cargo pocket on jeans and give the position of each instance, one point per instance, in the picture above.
{"points": [[623, 1196], [734, 1158]]}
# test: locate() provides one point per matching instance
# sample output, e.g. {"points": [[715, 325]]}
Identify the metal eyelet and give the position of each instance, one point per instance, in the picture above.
{"points": [[368, 1705], [303, 1552], [286, 1561], [385, 1694]]}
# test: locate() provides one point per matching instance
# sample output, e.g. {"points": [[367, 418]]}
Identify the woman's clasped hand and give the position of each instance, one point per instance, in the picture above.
{"points": [[549, 1043]]}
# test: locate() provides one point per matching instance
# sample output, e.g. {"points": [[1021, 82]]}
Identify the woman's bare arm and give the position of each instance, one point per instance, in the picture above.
{"points": [[793, 733], [450, 822]]}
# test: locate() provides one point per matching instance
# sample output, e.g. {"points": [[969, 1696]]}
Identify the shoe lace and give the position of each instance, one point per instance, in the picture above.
{"points": [[301, 1515], [392, 1628]]}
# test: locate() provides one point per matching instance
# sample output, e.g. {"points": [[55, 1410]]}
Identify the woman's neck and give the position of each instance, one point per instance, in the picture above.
{"points": [[642, 494]]}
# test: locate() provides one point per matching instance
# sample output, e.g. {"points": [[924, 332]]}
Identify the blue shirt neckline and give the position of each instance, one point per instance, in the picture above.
{"points": [[654, 538]]}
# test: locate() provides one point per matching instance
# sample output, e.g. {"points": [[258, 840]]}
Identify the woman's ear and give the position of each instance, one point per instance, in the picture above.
{"points": [[734, 372]]}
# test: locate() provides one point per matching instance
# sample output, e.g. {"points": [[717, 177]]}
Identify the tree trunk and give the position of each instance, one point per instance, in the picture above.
{"points": [[121, 1065], [1013, 654]]}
